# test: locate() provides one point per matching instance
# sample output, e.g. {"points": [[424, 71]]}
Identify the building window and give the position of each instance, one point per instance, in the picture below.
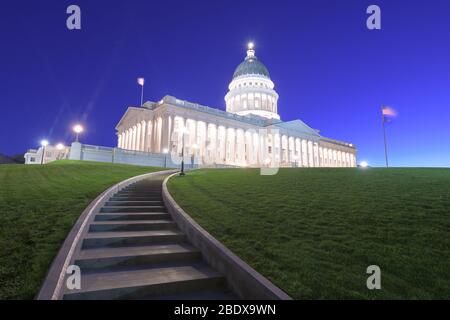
{"points": [[32, 159]]}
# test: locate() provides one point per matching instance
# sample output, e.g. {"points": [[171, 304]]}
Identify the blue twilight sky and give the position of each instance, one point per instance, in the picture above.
{"points": [[328, 68]]}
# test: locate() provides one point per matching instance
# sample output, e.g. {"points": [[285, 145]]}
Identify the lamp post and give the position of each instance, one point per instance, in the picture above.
{"points": [[194, 148], [296, 161], [182, 131], [165, 151], [77, 129], [44, 143]]}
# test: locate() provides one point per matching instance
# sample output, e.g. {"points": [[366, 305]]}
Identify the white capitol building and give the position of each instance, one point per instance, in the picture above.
{"points": [[249, 133]]}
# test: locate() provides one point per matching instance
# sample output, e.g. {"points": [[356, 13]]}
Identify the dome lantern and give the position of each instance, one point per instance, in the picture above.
{"points": [[250, 50]]}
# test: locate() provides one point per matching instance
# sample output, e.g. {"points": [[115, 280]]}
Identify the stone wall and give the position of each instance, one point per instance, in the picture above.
{"points": [[86, 152]]}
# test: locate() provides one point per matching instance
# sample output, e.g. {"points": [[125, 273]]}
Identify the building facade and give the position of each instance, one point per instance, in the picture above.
{"points": [[46, 155], [249, 133]]}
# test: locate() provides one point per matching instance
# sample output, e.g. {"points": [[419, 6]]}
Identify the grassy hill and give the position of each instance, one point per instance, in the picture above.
{"points": [[314, 232], [38, 206]]}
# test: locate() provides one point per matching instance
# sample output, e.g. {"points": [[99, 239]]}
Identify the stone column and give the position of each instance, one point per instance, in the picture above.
{"points": [[148, 136], [142, 137], [164, 133], [138, 137], [133, 138], [130, 139], [158, 134]]}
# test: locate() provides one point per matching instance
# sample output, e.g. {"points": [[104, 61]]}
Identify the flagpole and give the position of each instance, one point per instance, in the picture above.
{"points": [[385, 142], [142, 95]]}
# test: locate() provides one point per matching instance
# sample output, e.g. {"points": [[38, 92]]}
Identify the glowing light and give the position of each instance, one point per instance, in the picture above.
{"points": [[250, 45], [78, 128], [195, 146], [59, 146], [44, 143], [165, 150], [364, 164]]}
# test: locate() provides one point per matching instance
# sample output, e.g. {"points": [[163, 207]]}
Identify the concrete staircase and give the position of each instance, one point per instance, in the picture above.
{"points": [[134, 250]]}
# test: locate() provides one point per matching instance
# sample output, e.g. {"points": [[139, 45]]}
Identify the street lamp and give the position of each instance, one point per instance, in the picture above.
{"points": [[44, 143], [182, 130], [59, 146], [194, 147], [77, 129], [363, 164], [296, 161], [165, 151]]}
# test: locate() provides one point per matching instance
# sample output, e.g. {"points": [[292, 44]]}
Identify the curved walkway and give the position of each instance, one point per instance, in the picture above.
{"points": [[131, 248], [129, 245]]}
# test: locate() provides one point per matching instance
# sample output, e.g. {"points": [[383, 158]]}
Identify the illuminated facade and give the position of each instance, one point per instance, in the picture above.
{"points": [[248, 133]]}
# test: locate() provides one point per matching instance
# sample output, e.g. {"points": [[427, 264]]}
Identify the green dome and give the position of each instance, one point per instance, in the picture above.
{"points": [[251, 65]]}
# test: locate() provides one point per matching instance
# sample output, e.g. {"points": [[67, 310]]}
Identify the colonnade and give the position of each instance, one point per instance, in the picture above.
{"points": [[211, 143]]}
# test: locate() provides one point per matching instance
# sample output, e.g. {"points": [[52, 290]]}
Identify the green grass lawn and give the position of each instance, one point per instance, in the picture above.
{"points": [[38, 206], [313, 232]]}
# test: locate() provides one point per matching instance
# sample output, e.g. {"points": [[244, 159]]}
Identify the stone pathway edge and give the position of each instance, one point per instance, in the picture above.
{"points": [[245, 281]]}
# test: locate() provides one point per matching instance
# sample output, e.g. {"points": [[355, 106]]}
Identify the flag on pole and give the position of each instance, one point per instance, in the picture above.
{"points": [[388, 113], [141, 81]]}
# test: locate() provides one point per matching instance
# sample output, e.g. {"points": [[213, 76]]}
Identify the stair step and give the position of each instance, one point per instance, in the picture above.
{"points": [[133, 225], [146, 283], [142, 189], [133, 198], [132, 216], [140, 192], [130, 203], [89, 259], [220, 293], [124, 238], [124, 209], [142, 195]]}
